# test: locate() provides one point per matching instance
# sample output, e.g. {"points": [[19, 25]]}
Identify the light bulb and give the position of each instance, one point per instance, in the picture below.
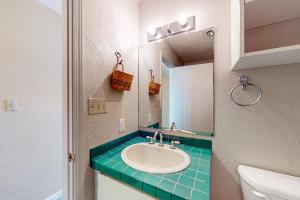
{"points": [[182, 19], [151, 30], [157, 35]]}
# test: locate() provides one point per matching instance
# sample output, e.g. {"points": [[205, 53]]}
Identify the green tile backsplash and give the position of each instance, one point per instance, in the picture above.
{"points": [[192, 183]]}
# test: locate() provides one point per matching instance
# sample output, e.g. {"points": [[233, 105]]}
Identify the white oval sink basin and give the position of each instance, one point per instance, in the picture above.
{"points": [[152, 158]]}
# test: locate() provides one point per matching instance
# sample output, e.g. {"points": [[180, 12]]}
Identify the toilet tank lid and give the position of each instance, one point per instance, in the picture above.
{"points": [[280, 185]]}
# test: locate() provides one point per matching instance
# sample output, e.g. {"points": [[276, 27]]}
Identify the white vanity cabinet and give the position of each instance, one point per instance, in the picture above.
{"points": [[111, 189], [264, 33]]}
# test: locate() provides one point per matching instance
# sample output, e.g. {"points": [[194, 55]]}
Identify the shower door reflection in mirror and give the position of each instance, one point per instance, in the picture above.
{"points": [[176, 84]]}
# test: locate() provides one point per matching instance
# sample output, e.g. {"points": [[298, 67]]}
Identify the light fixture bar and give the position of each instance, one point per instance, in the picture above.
{"points": [[171, 29]]}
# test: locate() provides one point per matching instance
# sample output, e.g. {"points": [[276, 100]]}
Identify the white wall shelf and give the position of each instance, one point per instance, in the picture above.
{"points": [[264, 33]]}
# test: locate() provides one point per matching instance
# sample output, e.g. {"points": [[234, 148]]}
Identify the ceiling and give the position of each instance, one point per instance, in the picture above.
{"points": [[192, 47]]}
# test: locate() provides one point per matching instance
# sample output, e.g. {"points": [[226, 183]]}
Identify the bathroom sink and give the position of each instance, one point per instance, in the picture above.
{"points": [[152, 158]]}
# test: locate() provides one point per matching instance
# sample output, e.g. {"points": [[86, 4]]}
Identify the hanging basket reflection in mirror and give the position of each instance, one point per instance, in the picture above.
{"points": [[153, 86]]}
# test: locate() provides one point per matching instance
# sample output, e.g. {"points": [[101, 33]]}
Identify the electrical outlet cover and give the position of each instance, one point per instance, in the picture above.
{"points": [[149, 118], [122, 126]]}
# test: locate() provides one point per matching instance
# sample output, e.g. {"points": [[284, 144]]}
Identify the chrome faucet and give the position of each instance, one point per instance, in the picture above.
{"points": [[161, 144], [173, 144], [173, 127]]}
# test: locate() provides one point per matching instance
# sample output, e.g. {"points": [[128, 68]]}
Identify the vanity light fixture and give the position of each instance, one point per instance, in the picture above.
{"points": [[167, 29], [158, 36], [183, 20], [153, 31], [182, 24]]}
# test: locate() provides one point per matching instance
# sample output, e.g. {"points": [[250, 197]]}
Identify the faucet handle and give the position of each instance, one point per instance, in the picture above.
{"points": [[151, 139], [173, 144]]}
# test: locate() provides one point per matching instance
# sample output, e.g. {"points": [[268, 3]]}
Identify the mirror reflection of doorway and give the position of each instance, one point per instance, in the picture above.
{"points": [[184, 102]]}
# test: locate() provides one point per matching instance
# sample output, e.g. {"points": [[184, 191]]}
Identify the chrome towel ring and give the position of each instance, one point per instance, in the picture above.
{"points": [[243, 84]]}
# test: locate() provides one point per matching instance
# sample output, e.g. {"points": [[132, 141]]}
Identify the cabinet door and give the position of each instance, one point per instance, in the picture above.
{"points": [[237, 31], [110, 189]]}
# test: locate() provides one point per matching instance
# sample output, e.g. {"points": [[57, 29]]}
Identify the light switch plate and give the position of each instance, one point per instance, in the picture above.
{"points": [[122, 126], [96, 106], [11, 105]]}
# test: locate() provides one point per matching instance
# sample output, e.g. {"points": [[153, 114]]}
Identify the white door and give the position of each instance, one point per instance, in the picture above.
{"points": [[192, 97], [33, 100]]}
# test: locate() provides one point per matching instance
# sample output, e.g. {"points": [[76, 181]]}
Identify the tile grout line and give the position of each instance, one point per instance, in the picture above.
{"points": [[196, 175], [159, 182], [176, 181], [200, 172], [115, 165], [185, 185], [134, 174]]}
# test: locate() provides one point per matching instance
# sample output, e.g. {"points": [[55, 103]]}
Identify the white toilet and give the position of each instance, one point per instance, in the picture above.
{"points": [[258, 184]]}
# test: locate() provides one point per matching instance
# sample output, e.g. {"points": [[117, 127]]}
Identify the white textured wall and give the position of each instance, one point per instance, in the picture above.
{"points": [[108, 26], [266, 135], [30, 72]]}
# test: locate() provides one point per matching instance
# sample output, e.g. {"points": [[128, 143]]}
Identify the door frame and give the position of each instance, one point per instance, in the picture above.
{"points": [[74, 99]]}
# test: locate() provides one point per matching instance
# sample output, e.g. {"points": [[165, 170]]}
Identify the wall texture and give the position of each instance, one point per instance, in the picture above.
{"points": [[108, 26], [30, 72], [266, 135]]}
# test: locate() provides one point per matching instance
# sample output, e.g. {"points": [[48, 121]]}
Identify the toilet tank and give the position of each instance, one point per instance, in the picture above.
{"points": [[259, 184]]}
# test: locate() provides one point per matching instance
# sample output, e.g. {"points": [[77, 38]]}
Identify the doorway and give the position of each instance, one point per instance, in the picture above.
{"points": [[35, 100]]}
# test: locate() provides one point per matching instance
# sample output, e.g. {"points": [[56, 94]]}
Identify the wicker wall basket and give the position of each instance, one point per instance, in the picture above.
{"points": [[119, 79], [153, 86]]}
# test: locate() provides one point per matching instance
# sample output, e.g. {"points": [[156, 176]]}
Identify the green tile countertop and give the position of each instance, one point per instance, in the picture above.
{"points": [[192, 183]]}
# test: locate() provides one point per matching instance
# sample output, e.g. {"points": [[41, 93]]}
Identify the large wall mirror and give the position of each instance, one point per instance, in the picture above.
{"points": [[176, 83]]}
